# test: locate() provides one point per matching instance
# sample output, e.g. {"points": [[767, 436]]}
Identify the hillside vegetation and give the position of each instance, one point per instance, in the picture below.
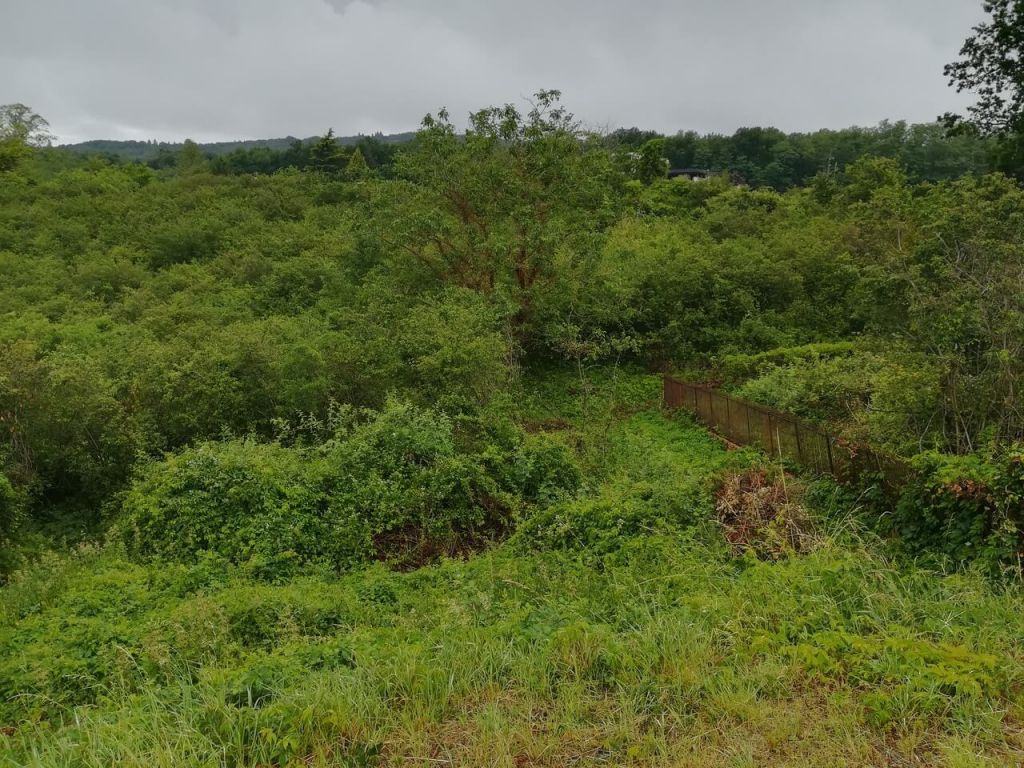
{"points": [[615, 627], [362, 463]]}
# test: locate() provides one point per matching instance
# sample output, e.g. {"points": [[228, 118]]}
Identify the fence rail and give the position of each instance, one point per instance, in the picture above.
{"points": [[784, 436]]}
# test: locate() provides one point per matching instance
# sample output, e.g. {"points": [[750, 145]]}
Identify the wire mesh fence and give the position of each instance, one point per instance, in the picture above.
{"points": [[785, 436]]}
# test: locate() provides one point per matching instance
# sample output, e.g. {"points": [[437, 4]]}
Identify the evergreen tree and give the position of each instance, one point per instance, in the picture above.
{"points": [[357, 169], [325, 155]]}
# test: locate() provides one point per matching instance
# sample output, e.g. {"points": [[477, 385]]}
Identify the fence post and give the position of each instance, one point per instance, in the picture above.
{"points": [[799, 447], [728, 416], [828, 447]]}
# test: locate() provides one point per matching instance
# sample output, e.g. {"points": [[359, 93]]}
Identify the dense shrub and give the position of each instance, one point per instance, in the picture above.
{"points": [[822, 389], [453, 351], [385, 483], [402, 473], [11, 517], [10, 509], [965, 508], [887, 397], [183, 242], [144, 311], [737, 368], [241, 499], [544, 469]]}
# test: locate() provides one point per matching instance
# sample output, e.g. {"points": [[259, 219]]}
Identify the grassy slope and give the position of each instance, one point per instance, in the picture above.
{"points": [[653, 648]]}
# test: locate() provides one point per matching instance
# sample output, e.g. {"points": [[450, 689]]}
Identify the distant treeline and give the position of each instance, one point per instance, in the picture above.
{"points": [[759, 157], [768, 157], [252, 156]]}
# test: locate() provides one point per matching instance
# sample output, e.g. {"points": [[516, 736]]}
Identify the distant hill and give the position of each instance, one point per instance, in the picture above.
{"points": [[147, 150]]}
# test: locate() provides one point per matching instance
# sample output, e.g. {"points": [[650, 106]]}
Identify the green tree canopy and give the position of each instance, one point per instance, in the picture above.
{"points": [[992, 67], [191, 158], [511, 209], [21, 130], [20, 122]]}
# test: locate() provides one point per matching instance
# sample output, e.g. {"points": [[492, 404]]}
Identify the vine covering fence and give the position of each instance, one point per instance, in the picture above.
{"points": [[783, 435]]}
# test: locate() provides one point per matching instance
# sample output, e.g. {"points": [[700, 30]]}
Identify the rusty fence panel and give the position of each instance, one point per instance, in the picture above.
{"points": [[784, 436]]}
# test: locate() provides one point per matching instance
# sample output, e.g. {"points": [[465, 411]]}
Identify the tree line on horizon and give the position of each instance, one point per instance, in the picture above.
{"points": [[759, 157]]}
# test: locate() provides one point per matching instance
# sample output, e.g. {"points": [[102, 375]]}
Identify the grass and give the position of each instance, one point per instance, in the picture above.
{"points": [[614, 629]]}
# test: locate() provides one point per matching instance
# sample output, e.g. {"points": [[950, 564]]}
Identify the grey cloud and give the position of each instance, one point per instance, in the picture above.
{"points": [[342, 5], [216, 69]]}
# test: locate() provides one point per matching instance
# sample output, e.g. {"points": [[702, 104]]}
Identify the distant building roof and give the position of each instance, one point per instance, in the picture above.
{"points": [[689, 173]]}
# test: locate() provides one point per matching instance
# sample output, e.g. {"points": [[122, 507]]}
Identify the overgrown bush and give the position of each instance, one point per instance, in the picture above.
{"points": [[12, 513], [241, 499], [737, 368], [828, 389], [545, 470], [399, 479], [454, 354], [887, 397], [965, 508], [390, 484], [10, 509]]}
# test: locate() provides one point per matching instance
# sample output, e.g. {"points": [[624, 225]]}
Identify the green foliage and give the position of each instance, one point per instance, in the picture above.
{"points": [[325, 155], [513, 209], [357, 169], [649, 161], [768, 157], [190, 159], [619, 608], [453, 352], [965, 509], [740, 367], [388, 485], [21, 130], [545, 470], [653, 485], [992, 66], [241, 500], [9, 508], [183, 242], [19, 122], [909, 678], [12, 517], [175, 305], [12, 151], [659, 627], [829, 390]]}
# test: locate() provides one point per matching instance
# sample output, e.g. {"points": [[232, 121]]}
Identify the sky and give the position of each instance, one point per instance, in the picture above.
{"points": [[216, 70]]}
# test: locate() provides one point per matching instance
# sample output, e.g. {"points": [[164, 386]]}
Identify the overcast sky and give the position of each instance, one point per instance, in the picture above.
{"points": [[228, 69]]}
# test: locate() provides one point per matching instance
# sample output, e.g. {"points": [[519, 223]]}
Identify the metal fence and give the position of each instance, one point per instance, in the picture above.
{"points": [[784, 436]]}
